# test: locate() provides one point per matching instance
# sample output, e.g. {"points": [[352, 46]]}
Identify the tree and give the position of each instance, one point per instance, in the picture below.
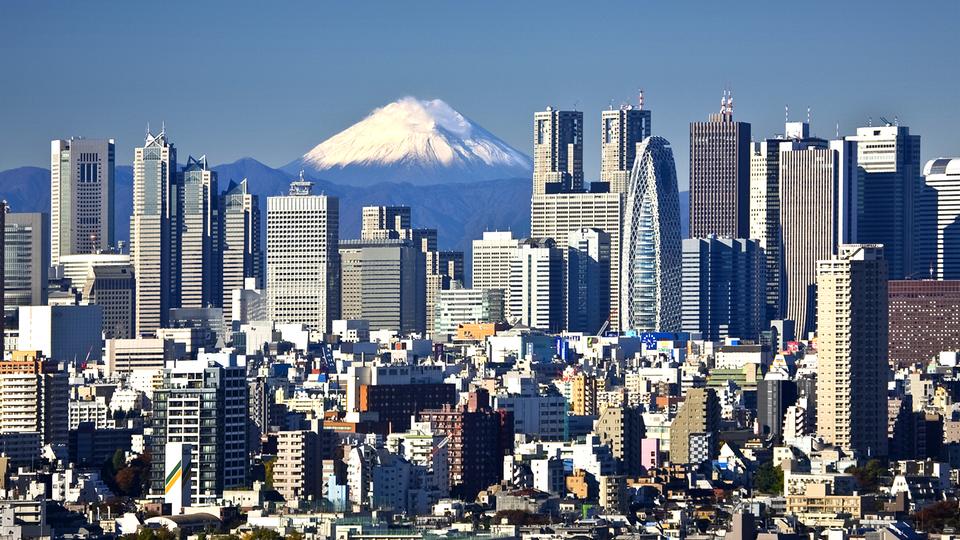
{"points": [[268, 469], [768, 479], [868, 476], [153, 534], [262, 534], [937, 517]]}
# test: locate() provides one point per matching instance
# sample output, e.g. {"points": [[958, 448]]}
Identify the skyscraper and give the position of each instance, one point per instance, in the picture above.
{"points": [[557, 215], [384, 222], [491, 260], [924, 319], [81, 196], [240, 243], [852, 369], [588, 280], [943, 218], [723, 287], [720, 175], [383, 282], [200, 269], [817, 209], [765, 216], [154, 244], [112, 288], [557, 151], [26, 260], [303, 265], [890, 158], [621, 130], [651, 261], [536, 291]]}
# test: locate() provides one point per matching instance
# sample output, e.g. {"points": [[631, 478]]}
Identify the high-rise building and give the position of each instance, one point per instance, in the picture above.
{"points": [[555, 216], [81, 196], [154, 242], [557, 151], [588, 280], [536, 291], [621, 130], [890, 159], [383, 282], [112, 288], [303, 264], [298, 472], [622, 429], [35, 398], [924, 319], [720, 175], [491, 260], [852, 369], [765, 216], [203, 403], [77, 268], [774, 395], [384, 222], [198, 199], [723, 288], [26, 260], [457, 306], [478, 438], [240, 243], [817, 209], [694, 431], [651, 254], [941, 217]]}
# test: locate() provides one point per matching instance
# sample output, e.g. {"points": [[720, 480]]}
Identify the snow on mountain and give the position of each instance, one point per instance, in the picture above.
{"points": [[417, 141]]}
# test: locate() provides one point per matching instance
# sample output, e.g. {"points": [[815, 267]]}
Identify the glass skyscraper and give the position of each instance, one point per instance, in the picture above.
{"points": [[651, 269]]}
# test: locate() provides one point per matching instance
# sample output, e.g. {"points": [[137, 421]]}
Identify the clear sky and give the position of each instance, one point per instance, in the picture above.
{"points": [[272, 79]]}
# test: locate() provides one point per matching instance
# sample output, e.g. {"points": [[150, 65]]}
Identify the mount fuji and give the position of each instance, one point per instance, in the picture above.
{"points": [[419, 142]]}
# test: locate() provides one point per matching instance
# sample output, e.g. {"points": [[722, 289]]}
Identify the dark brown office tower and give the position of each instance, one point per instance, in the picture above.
{"points": [[924, 319], [720, 175], [396, 403]]}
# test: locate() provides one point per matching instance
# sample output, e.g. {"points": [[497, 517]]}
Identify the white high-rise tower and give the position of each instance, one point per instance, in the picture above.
{"points": [[81, 196]]}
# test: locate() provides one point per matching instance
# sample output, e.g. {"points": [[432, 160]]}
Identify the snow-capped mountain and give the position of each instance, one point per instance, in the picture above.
{"points": [[417, 141]]}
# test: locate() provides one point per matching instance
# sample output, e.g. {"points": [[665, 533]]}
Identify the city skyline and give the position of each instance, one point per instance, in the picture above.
{"points": [[312, 91]]}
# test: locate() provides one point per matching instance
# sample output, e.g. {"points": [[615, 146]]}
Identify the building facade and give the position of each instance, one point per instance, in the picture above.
{"points": [[240, 244], [81, 196], [154, 245], [852, 369], [383, 282], [720, 175], [557, 151], [26, 260], [939, 215], [723, 288], [303, 264], [621, 130], [200, 266], [651, 253], [536, 289], [924, 318], [588, 280]]}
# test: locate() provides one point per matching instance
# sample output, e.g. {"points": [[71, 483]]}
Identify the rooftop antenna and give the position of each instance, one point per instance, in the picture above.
{"points": [[640, 100], [723, 102], [838, 129], [808, 115], [786, 113], [869, 121], [147, 136], [611, 104], [896, 120], [575, 103]]}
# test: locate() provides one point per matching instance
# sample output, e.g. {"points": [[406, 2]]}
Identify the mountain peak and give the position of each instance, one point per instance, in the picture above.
{"points": [[416, 141]]}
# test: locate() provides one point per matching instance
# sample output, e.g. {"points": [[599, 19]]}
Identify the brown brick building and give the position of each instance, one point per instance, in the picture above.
{"points": [[924, 319]]}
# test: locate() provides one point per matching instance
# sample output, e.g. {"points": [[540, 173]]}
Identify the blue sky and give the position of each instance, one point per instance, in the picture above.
{"points": [[272, 79]]}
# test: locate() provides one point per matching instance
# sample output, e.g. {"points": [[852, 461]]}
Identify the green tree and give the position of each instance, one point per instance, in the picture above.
{"points": [[768, 479], [937, 517], [268, 468], [868, 476], [262, 534]]}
